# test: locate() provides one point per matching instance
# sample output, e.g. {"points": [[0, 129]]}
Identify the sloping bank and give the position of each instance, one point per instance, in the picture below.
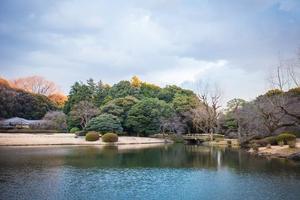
{"points": [[23, 139]]}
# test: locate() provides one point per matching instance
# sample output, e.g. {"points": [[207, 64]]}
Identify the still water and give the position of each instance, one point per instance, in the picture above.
{"points": [[161, 172]]}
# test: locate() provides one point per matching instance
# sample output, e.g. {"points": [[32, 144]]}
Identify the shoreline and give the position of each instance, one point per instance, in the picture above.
{"points": [[68, 139], [279, 152]]}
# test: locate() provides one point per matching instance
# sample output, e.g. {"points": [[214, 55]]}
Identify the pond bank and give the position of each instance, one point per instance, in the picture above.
{"points": [[279, 152], [22, 139]]}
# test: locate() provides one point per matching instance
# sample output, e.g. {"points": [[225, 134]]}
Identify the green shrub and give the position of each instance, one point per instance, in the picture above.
{"points": [[295, 91], [272, 140], [285, 137], [74, 130], [92, 136], [110, 137], [292, 143]]}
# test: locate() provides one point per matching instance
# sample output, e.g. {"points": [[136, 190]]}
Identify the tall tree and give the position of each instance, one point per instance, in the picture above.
{"points": [[210, 98], [145, 117]]}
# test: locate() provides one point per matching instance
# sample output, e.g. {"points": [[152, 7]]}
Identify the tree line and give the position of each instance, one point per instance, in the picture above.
{"points": [[131, 107], [139, 108]]}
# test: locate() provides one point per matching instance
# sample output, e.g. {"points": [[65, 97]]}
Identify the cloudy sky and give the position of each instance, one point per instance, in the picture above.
{"points": [[231, 42]]}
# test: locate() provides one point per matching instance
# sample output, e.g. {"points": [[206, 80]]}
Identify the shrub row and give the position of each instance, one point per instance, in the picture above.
{"points": [[281, 139], [94, 136]]}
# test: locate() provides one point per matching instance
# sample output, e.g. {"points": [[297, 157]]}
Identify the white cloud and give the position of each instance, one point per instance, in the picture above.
{"points": [[73, 15], [184, 69], [162, 41]]}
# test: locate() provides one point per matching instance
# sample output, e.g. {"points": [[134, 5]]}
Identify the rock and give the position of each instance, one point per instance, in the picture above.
{"points": [[295, 156]]}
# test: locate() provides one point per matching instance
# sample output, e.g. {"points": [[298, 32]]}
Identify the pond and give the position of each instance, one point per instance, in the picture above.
{"points": [[161, 172]]}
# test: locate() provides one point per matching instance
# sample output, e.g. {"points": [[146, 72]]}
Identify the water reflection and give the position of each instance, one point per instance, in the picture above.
{"points": [[162, 156]]}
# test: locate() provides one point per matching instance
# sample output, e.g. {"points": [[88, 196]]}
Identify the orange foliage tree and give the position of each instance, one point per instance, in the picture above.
{"points": [[35, 84], [59, 99]]}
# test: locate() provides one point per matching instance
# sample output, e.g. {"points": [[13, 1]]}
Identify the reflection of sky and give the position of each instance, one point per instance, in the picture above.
{"points": [[161, 41]]}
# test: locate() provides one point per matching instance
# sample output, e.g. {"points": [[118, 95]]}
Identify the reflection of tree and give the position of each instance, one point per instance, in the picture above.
{"points": [[173, 156]]}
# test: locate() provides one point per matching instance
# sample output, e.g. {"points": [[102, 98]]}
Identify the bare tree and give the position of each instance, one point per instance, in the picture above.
{"points": [[173, 125], [294, 70], [56, 120], [206, 115], [36, 84], [286, 74], [269, 114], [83, 111], [279, 78]]}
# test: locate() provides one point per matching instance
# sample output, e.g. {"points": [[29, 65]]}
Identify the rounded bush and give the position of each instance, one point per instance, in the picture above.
{"points": [[74, 130], [285, 137], [110, 137], [92, 136]]}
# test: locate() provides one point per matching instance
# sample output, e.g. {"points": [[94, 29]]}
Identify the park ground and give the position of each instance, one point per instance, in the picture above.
{"points": [[24, 139]]}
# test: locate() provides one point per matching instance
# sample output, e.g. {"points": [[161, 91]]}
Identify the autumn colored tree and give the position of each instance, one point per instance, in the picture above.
{"points": [[136, 82], [35, 84], [4, 83], [59, 99], [19, 103]]}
